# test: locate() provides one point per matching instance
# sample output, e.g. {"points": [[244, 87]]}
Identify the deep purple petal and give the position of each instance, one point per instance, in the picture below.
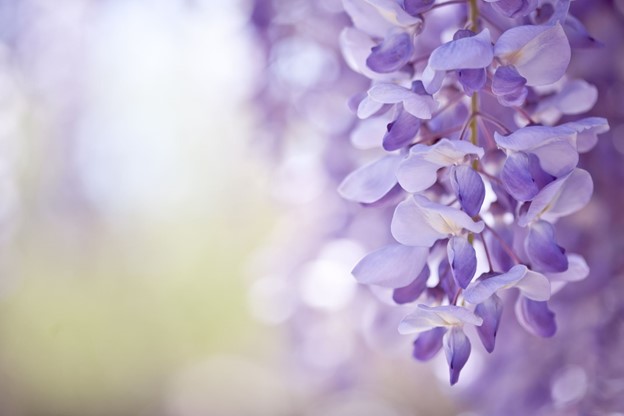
{"points": [[472, 79], [542, 249], [463, 260], [535, 317], [412, 291], [457, 350], [392, 54], [427, 345], [401, 131], [490, 310], [469, 189]]}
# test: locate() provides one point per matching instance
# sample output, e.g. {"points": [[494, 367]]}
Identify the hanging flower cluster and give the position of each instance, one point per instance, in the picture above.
{"points": [[460, 124]]}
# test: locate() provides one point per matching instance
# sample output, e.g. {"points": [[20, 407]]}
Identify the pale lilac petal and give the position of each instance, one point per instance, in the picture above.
{"points": [[490, 311], [588, 130], [421, 106], [366, 17], [368, 107], [432, 79], [420, 222], [541, 54], [392, 11], [391, 266], [513, 8], [392, 54], [419, 170], [479, 291], [367, 133], [542, 249], [577, 271], [371, 182], [534, 286], [428, 343], [425, 318], [457, 351], [411, 292], [555, 147], [418, 105], [401, 131], [469, 52], [356, 47], [577, 34], [562, 197], [535, 317], [575, 97], [462, 259]]}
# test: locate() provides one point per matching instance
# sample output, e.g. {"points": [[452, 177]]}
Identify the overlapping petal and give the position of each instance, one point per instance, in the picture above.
{"points": [[426, 318], [418, 221], [540, 53], [531, 284], [562, 197], [419, 170]]}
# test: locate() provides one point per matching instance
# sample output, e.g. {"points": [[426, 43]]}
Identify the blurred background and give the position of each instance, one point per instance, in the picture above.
{"points": [[142, 214]]}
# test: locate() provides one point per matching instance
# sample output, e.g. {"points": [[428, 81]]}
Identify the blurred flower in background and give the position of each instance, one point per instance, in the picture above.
{"points": [[173, 242]]}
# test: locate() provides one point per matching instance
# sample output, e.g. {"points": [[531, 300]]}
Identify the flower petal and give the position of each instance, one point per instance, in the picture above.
{"points": [[542, 248], [555, 147], [419, 170], [392, 11], [371, 182], [472, 80], [420, 222], [366, 17], [457, 351], [516, 177], [463, 260], [468, 52], [392, 54], [535, 317], [416, 7], [391, 266], [425, 318], [490, 310], [412, 291], [577, 270], [428, 343], [587, 130], [541, 54], [480, 290], [469, 189], [562, 197]]}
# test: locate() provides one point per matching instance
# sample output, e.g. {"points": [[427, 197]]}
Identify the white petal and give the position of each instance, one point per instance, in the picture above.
{"points": [[432, 79], [577, 271]]}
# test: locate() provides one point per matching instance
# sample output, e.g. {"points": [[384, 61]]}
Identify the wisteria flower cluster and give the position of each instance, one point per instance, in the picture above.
{"points": [[460, 123]]}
